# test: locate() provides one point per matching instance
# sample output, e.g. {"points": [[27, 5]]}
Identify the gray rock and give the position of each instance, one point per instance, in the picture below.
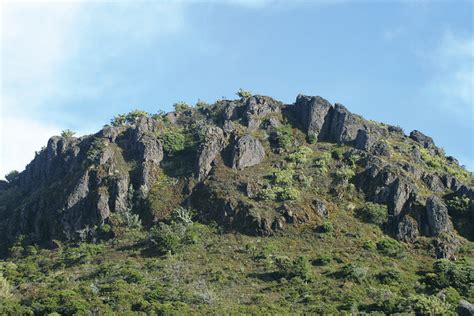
{"points": [[3, 185], [320, 207], [364, 140], [259, 107], [421, 138], [380, 149], [433, 182], [437, 216], [465, 308], [407, 229], [312, 113], [214, 142], [248, 151]]}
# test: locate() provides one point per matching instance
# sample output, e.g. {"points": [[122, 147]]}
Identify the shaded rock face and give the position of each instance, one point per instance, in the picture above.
{"points": [[211, 147], [312, 112], [437, 216], [407, 229], [259, 107], [465, 308], [381, 184], [248, 151], [78, 182]]}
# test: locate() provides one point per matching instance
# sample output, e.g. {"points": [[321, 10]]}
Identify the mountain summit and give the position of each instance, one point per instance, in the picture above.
{"points": [[254, 165], [243, 206]]}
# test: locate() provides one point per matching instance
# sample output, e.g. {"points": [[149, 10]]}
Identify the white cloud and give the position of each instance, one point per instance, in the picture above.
{"points": [[40, 40], [453, 73]]}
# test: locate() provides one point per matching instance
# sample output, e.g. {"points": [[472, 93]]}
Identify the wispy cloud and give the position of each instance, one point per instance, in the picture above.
{"points": [[452, 62], [42, 41]]}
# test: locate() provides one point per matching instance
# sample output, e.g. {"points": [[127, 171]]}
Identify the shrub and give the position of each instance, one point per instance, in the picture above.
{"points": [[126, 219], [326, 227], [322, 162], [181, 106], [119, 120], [173, 141], [181, 215], [459, 275], [374, 213], [338, 153], [301, 155], [96, 148], [171, 237], [134, 115], [389, 247], [323, 260], [344, 174], [289, 193], [167, 237], [370, 245], [67, 133], [389, 276], [284, 176], [299, 267], [459, 205], [243, 93], [202, 104], [12, 176], [354, 272], [283, 136], [428, 305], [269, 194], [5, 288], [312, 138]]}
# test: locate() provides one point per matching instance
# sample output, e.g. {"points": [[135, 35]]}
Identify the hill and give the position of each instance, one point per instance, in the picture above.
{"points": [[241, 206]]}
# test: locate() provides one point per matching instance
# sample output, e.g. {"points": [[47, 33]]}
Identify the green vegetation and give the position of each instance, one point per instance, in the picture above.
{"points": [[374, 213], [290, 268], [67, 133], [284, 136], [243, 93], [173, 141], [459, 205], [12, 176], [95, 150], [129, 118], [389, 247], [181, 106]]}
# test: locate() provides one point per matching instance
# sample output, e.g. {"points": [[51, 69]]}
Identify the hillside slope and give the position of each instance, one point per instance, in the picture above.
{"points": [[246, 205]]}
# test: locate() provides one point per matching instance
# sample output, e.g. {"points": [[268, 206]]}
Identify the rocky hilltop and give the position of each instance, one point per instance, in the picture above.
{"points": [[253, 165]]}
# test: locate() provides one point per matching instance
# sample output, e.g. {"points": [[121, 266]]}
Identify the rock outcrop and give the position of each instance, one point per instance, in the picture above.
{"points": [[78, 183], [465, 308], [248, 151], [437, 216], [214, 142]]}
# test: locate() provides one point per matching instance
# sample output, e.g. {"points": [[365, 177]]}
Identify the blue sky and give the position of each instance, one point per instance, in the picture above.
{"points": [[75, 64]]}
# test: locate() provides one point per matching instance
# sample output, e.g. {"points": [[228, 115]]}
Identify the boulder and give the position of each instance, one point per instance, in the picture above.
{"points": [[433, 182], [248, 151], [214, 142], [465, 308], [419, 137], [259, 107], [437, 216], [320, 207], [407, 229], [312, 112]]}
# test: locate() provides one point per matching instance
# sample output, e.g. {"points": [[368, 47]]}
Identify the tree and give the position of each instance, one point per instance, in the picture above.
{"points": [[244, 93], [67, 133], [181, 106], [12, 176]]}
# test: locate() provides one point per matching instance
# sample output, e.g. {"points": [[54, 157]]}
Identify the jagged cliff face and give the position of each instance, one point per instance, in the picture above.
{"points": [[227, 169]]}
